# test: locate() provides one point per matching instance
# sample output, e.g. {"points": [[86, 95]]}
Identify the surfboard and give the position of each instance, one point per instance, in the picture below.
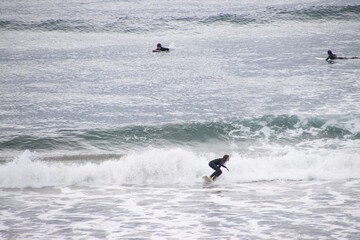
{"points": [[207, 179], [161, 50], [342, 58]]}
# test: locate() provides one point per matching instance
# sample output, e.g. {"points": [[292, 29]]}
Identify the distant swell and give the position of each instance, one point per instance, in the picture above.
{"points": [[288, 129], [140, 24], [63, 26], [324, 13], [228, 18]]}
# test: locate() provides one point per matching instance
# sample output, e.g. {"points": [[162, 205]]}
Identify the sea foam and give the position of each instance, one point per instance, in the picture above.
{"points": [[180, 166]]}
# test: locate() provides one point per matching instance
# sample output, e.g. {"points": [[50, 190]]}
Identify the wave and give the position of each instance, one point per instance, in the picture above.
{"points": [[69, 26], [277, 129], [227, 18], [345, 13], [140, 24], [176, 166]]}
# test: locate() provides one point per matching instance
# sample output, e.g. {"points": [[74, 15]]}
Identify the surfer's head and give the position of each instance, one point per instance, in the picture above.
{"points": [[158, 45], [226, 157], [330, 52]]}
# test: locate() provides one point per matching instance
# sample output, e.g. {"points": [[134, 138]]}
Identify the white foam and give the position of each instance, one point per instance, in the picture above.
{"points": [[181, 166]]}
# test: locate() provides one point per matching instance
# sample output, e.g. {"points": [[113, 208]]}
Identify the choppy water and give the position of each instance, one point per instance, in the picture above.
{"points": [[258, 210], [100, 138]]}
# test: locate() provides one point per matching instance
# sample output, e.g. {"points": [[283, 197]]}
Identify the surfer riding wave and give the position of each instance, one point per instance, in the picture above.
{"points": [[216, 164]]}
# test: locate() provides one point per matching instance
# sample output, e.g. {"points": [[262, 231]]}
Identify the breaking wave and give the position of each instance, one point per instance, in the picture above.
{"points": [[179, 166]]}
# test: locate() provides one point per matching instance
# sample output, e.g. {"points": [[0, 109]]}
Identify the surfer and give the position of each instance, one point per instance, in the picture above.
{"points": [[216, 164], [332, 56], [160, 48]]}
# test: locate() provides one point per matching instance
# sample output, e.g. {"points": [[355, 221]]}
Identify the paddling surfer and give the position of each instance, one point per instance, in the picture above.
{"points": [[160, 48], [332, 56]]}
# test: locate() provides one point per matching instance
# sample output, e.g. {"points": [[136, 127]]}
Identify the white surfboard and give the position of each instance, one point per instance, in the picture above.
{"points": [[207, 179]]}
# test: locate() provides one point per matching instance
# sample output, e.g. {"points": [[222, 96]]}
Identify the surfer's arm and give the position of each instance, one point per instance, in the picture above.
{"points": [[222, 165]]}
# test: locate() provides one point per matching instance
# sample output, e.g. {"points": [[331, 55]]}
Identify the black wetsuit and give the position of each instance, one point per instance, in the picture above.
{"points": [[161, 49], [333, 57], [164, 49], [216, 164]]}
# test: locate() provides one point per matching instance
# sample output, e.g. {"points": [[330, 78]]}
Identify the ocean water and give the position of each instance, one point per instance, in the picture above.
{"points": [[100, 138]]}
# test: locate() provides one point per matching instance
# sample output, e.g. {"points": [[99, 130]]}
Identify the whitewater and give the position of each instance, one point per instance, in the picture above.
{"points": [[101, 138]]}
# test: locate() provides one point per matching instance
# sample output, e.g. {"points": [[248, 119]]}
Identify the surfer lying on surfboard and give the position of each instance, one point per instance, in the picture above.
{"points": [[332, 56], [160, 48], [216, 164]]}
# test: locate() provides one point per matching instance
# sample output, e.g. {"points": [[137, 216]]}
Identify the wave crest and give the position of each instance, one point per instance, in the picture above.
{"points": [[177, 166], [284, 129]]}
